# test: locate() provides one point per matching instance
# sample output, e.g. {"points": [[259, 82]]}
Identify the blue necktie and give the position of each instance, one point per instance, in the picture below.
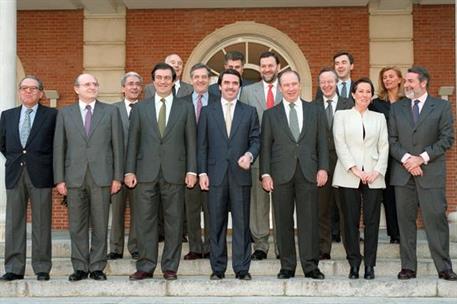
{"points": [[416, 111]]}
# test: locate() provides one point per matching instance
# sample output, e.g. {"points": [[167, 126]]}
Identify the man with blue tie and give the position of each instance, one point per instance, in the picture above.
{"points": [[228, 143], [26, 137]]}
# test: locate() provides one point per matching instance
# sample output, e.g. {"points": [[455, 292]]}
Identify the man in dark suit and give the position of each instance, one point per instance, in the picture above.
{"points": [[293, 163], [262, 95], [132, 84], [420, 132], [228, 142], [88, 167], [232, 60], [197, 200], [180, 88], [328, 196], [26, 137], [160, 162]]}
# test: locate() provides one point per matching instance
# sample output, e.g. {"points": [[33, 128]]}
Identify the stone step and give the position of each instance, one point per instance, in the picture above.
{"points": [[62, 248], [269, 267], [201, 286]]}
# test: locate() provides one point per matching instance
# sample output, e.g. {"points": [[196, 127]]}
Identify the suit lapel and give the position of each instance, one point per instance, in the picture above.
{"points": [[306, 118], [97, 116], [407, 112], [17, 117], [219, 118], [77, 119], [237, 116], [124, 114], [260, 95], [428, 107], [173, 117], [282, 117], [151, 115], [37, 122]]}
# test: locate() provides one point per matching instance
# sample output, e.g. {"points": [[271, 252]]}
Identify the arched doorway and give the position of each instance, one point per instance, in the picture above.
{"points": [[251, 39]]}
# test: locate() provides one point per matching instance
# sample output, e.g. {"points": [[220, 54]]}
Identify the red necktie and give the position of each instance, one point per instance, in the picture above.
{"points": [[270, 97]]}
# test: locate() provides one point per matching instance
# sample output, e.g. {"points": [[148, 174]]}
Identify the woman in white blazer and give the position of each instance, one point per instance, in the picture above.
{"points": [[362, 148]]}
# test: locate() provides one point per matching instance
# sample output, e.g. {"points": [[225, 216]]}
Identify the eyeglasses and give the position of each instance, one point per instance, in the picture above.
{"points": [[89, 84], [30, 89]]}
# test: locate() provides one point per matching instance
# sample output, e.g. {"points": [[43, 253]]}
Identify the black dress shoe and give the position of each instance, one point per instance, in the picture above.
{"points": [[244, 276], [42, 276], [258, 255], [170, 275], [448, 275], [140, 275], [9, 276], [114, 256], [135, 255], [184, 239], [78, 275], [336, 238], [285, 274], [369, 273], [205, 255], [406, 274], [324, 256], [315, 274], [192, 256], [395, 240], [216, 276], [98, 275], [354, 273]]}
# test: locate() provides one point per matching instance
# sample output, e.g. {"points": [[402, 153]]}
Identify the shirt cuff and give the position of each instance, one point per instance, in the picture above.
{"points": [[250, 156], [130, 173], [265, 175], [202, 174], [192, 173], [405, 158], [425, 157]]}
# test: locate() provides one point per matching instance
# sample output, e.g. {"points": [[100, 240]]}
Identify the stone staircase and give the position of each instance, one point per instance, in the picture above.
{"points": [[193, 278]]}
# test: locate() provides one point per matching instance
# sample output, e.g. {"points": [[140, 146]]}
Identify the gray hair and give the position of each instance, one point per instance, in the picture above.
{"points": [[40, 83], [130, 74]]}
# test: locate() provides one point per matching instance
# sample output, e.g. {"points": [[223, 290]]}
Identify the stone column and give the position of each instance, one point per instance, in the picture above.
{"points": [[7, 83]]}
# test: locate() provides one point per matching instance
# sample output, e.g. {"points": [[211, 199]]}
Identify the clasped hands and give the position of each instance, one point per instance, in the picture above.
{"points": [[365, 177], [413, 165]]}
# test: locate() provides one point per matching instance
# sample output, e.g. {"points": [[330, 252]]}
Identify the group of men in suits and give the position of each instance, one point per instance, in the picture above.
{"points": [[179, 156]]}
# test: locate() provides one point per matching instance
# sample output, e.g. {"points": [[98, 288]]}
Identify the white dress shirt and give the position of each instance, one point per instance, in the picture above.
{"points": [[298, 108], [83, 110], [168, 103], [128, 107]]}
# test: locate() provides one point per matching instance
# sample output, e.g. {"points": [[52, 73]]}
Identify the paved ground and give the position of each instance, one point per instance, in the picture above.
{"points": [[228, 300]]}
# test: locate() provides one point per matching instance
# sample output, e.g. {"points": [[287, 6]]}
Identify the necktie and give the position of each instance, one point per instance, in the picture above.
{"points": [[293, 121], [329, 112], [416, 111], [199, 106], [162, 117], [88, 119], [25, 128], [228, 117], [132, 106], [270, 97], [344, 91]]}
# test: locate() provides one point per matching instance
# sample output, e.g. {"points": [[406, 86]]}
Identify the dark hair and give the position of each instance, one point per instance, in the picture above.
{"points": [[269, 54], [341, 53], [422, 72], [163, 66], [286, 72], [229, 72], [327, 69], [234, 56], [362, 80], [199, 66], [40, 83]]}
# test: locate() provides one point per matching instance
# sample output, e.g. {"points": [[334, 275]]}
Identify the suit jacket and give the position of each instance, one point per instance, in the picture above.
{"points": [[125, 122], [214, 88], [218, 152], [319, 94], [37, 154], [342, 104], [433, 133], [102, 152], [211, 99], [184, 89], [280, 151], [174, 154], [371, 153], [254, 95]]}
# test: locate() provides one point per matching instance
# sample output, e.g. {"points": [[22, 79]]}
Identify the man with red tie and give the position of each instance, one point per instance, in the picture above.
{"points": [[262, 95]]}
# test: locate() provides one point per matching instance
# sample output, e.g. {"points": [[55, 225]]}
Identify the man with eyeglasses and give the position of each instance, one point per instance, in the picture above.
{"points": [[26, 136], [88, 168], [161, 161]]}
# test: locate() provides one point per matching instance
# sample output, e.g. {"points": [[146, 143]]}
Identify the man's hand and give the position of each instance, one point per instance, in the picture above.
{"points": [[244, 162], [130, 180], [62, 188], [190, 180], [267, 183], [204, 182], [416, 172], [115, 186], [321, 178], [413, 162]]}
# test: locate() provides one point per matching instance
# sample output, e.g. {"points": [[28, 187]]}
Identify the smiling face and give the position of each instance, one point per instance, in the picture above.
{"points": [[362, 96], [269, 69], [163, 82], [343, 67], [132, 88], [176, 62], [327, 83], [29, 92], [200, 80], [290, 86], [230, 85], [87, 88], [391, 80], [414, 88]]}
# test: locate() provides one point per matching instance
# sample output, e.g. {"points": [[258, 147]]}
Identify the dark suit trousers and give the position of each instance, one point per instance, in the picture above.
{"points": [[433, 205], [88, 205], [305, 196], [229, 195], [351, 205], [149, 197], [118, 206], [390, 207], [196, 201], [15, 228]]}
